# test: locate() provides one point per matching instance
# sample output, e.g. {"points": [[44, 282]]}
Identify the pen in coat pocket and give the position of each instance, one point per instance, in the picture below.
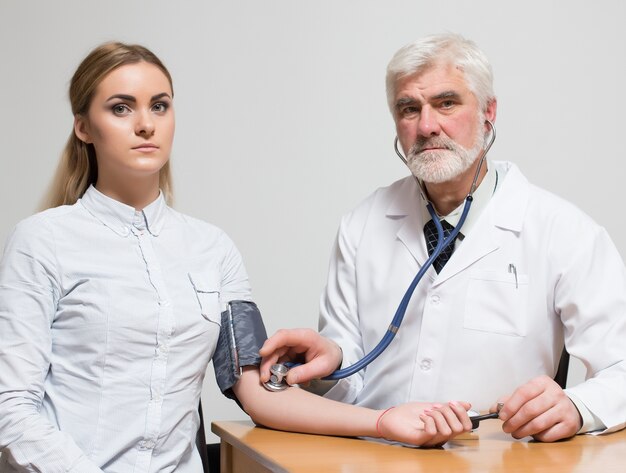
{"points": [[513, 269]]}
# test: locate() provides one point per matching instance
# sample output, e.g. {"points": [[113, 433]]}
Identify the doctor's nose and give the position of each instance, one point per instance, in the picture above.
{"points": [[428, 123]]}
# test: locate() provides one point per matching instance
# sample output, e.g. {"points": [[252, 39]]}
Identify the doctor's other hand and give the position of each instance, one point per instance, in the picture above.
{"points": [[320, 356], [425, 424], [541, 409]]}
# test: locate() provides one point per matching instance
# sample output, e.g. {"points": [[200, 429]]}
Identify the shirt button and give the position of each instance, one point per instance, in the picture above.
{"points": [[435, 299], [146, 444], [426, 364], [163, 348]]}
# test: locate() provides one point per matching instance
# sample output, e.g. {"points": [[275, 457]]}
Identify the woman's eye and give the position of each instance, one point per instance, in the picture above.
{"points": [[160, 107], [120, 109]]}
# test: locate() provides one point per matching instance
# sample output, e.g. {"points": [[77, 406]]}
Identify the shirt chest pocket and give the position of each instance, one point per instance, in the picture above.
{"points": [[497, 302], [206, 287]]}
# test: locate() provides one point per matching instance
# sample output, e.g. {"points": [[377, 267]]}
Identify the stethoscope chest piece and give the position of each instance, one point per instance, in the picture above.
{"points": [[277, 380]]}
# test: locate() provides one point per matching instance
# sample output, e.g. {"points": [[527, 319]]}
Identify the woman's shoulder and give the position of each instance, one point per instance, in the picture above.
{"points": [[196, 226], [44, 219], [36, 233], [192, 222]]}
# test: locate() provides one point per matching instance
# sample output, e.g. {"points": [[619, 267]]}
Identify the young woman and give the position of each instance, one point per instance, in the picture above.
{"points": [[110, 303]]}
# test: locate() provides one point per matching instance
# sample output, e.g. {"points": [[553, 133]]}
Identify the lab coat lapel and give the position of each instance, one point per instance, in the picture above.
{"points": [[481, 241], [412, 237], [504, 212], [406, 206]]}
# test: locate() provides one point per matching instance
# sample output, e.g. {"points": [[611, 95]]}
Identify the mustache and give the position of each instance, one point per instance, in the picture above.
{"points": [[433, 142]]}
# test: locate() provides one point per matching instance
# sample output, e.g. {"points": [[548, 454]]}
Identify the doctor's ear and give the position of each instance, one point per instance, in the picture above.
{"points": [[491, 109], [81, 128]]}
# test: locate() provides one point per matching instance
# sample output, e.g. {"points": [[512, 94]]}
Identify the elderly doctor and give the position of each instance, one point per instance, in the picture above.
{"points": [[529, 273]]}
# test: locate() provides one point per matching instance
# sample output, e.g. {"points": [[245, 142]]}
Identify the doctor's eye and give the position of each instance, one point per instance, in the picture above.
{"points": [[411, 110]]}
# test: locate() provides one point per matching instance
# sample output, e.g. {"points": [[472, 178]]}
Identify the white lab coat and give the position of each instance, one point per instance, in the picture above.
{"points": [[479, 329]]}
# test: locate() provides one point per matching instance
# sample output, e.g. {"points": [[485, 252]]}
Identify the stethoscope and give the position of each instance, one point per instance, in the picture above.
{"points": [[279, 371]]}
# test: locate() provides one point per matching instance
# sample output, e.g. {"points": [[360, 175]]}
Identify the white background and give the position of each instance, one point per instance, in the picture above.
{"points": [[282, 123]]}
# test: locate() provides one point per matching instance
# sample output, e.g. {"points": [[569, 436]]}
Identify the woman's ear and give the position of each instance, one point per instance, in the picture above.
{"points": [[81, 128]]}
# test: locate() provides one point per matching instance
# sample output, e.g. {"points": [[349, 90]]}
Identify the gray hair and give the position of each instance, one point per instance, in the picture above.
{"points": [[450, 49]]}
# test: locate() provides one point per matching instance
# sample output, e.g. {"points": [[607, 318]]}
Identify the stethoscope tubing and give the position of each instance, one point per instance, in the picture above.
{"points": [[404, 303], [442, 243]]}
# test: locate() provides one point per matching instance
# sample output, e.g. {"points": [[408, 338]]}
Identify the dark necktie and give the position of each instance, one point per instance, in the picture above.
{"points": [[430, 233]]}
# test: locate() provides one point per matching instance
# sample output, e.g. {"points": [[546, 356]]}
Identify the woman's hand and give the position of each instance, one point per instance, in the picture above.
{"points": [[424, 424]]}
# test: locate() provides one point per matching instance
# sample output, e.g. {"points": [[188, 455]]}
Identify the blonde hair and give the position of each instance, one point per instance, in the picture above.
{"points": [[77, 168]]}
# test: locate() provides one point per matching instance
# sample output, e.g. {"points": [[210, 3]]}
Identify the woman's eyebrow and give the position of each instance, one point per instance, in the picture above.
{"points": [[159, 96], [130, 98]]}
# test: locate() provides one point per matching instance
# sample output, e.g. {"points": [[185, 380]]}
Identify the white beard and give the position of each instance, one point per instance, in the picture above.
{"points": [[436, 166]]}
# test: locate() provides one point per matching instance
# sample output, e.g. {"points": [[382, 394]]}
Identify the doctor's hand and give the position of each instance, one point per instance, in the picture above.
{"points": [[425, 424], [541, 409], [320, 355]]}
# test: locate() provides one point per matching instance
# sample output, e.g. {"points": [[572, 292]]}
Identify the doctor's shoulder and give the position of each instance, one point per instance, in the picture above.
{"points": [[565, 228], [394, 197], [552, 210], [385, 202]]}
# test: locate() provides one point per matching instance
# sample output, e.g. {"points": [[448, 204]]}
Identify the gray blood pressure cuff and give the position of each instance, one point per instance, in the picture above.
{"points": [[241, 336]]}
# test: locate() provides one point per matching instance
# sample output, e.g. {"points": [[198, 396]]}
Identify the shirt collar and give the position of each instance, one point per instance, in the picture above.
{"points": [[481, 198], [120, 217]]}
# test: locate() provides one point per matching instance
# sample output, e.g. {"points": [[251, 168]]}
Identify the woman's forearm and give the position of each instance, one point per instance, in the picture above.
{"points": [[294, 409], [298, 410]]}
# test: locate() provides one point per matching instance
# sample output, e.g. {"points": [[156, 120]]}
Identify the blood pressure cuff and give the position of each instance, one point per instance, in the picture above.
{"points": [[241, 336]]}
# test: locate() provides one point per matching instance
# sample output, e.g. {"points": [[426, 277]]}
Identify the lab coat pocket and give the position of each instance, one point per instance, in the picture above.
{"points": [[496, 302], [207, 289]]}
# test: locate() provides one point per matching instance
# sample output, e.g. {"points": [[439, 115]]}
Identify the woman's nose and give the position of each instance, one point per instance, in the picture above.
{"points": [[144, 125]]}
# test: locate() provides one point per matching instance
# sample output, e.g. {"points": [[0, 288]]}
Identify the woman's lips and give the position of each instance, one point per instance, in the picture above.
{"points": [[146, 148]]}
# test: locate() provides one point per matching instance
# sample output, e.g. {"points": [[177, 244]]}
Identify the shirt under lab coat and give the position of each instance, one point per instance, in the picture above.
{"points": [[532, 273]]}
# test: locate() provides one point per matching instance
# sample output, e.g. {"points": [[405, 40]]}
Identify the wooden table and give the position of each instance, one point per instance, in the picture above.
{"points": [[249, 449]]}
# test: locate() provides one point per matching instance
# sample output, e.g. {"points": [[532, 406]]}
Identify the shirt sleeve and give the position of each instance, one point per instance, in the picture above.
{"points": [[29, 292], [235, 284], [590, 423], [339, 308]]}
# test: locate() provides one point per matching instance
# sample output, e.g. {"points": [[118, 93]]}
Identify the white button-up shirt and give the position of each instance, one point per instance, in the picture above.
{"points": [[108, 319]]}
